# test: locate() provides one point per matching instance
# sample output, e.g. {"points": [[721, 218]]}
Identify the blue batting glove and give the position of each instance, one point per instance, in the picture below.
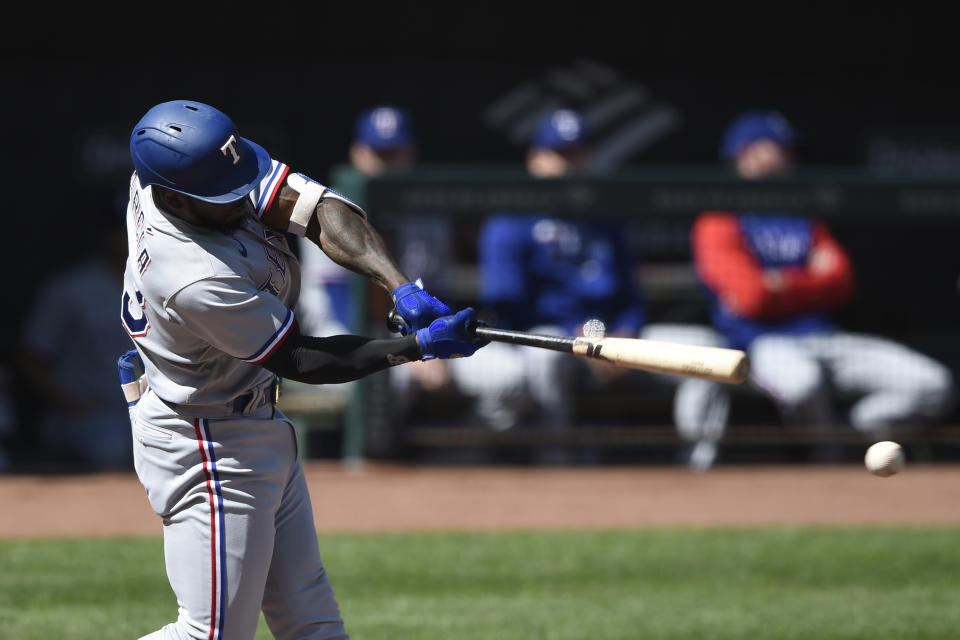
{"points": [[417, 307], [449, 336], [130, 366]]}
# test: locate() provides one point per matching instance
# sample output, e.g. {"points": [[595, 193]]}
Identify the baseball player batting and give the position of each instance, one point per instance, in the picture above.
{"points": [[208, 291]]}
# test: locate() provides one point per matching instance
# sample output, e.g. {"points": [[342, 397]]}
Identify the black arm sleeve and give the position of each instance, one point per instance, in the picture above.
{"points": [[336, 359]]}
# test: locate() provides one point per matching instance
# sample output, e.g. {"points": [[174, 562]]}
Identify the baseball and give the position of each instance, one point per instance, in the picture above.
{"points": [[884, 458]]}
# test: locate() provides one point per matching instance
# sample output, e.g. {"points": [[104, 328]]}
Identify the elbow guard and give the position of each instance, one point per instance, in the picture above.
{"points": [[311, 193]]}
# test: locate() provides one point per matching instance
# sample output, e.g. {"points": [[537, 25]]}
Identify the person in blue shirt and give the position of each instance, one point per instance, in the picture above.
{"points": [[560, 275], [550, 275], [547, 274]]}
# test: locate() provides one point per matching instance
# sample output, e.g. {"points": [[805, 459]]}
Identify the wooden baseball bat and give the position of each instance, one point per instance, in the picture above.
{"points": [[711, 363]]}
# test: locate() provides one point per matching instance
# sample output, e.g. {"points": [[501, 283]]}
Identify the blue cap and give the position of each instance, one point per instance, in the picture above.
{"points": [[195, 149], [560, 129], [385, 127], [756, 125]]}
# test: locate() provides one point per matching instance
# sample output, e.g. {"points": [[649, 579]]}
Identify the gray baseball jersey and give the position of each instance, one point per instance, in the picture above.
{"points": [[204, 308]]}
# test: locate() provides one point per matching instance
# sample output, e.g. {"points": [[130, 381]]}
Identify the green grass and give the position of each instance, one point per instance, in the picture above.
{"points": [[716, 584]]}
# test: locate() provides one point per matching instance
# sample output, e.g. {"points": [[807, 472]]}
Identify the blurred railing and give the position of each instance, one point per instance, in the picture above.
{"points": [[683, 190]]}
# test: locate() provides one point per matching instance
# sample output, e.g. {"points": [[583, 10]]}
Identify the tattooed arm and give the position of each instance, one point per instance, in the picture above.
{"points": [[350, 241], [344, 235]]}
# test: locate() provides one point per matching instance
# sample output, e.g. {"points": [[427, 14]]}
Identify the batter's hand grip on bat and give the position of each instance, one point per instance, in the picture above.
{"points": [[730, 366], [395, 323]]}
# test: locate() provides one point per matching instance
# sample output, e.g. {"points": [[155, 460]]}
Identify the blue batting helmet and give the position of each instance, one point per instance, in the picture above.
{"points": [[753, 125], [384, 127], [560, 129], [194, 149]]}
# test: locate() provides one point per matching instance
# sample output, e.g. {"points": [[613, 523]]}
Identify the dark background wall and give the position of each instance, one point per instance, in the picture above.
{"points": [[862, 87], [865, 86]]}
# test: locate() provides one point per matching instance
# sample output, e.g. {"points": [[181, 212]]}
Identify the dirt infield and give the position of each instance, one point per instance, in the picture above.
{"points": [[378, 497]]}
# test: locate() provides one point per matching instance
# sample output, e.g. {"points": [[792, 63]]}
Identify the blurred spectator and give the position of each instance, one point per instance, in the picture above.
{"points": [[775, 279], [68, 354], [546, 274], [383, 142], [550, 275]]}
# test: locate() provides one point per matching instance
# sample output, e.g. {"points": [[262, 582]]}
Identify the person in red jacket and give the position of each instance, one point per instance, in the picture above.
{"points": [[774, 280]]}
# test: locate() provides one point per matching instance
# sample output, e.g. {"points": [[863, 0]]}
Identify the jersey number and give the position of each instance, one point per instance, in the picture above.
{"points": [[132, 316]]}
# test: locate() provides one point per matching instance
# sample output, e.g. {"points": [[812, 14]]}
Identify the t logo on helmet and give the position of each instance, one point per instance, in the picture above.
{"points": [[231, 146]]}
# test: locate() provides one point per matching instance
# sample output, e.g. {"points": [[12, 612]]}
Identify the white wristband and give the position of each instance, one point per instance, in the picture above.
{"points": [[133, 390]]}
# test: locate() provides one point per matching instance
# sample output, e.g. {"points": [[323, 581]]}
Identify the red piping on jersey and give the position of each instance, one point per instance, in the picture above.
{"points": [[276, 340], [276, 190], [276, 346]]}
